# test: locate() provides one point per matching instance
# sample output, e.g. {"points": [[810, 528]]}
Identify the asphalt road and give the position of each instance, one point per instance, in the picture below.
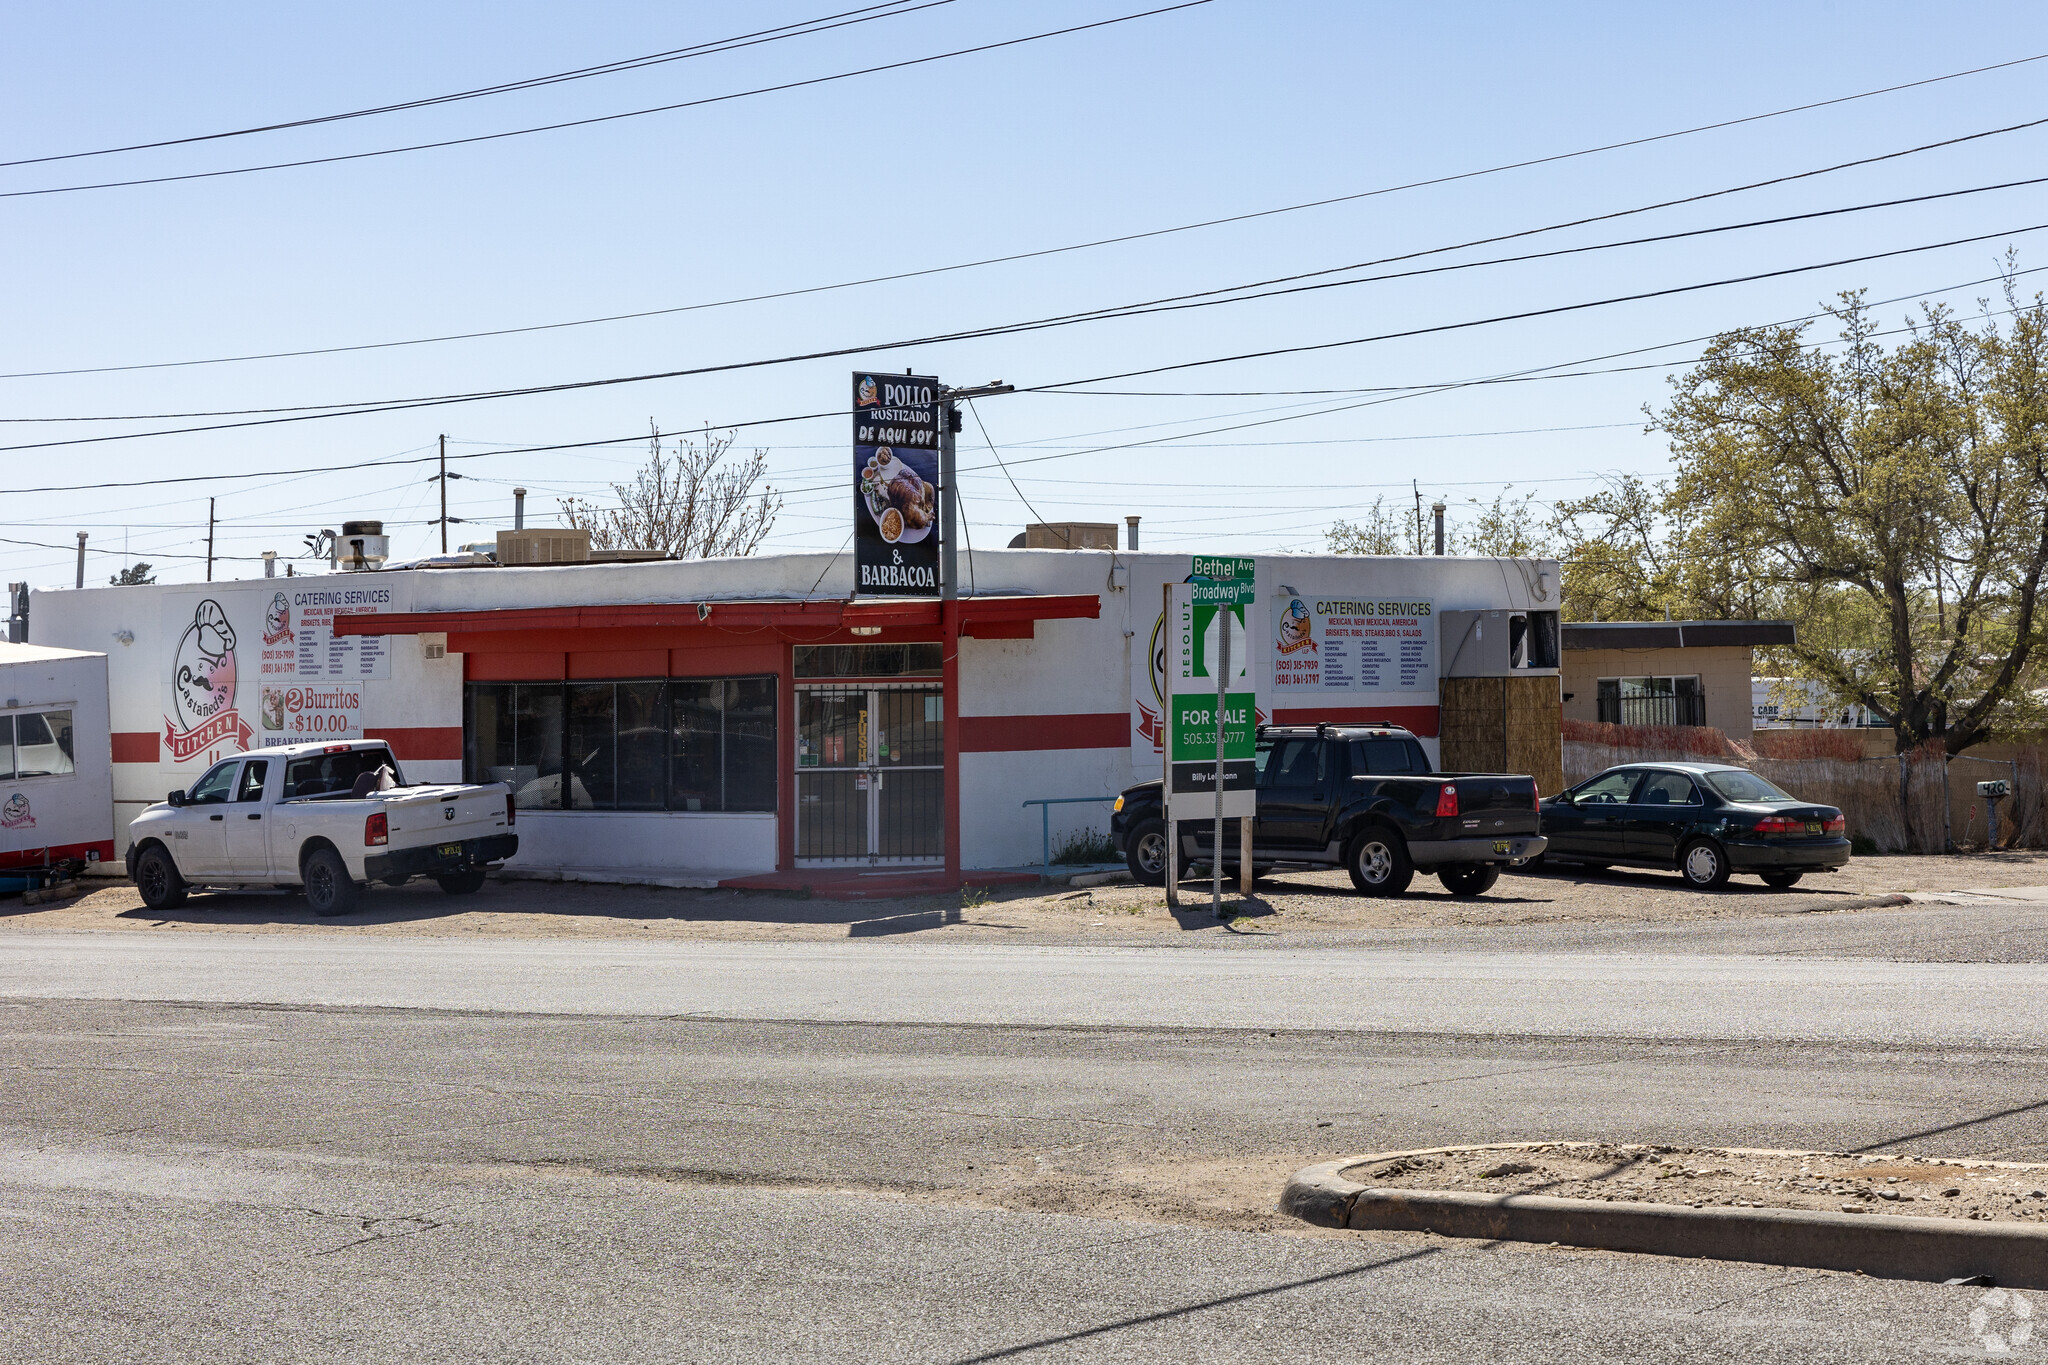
{"points": [[258, 1148]]}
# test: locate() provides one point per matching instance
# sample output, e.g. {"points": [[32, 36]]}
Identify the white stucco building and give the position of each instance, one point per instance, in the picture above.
{"points": [[733, 718]]}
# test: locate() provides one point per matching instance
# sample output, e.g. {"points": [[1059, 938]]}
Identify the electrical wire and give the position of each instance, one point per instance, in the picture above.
{"points": [[1012, 329], [1028, 255], [999, 460], [601, 118], [710, 47]]}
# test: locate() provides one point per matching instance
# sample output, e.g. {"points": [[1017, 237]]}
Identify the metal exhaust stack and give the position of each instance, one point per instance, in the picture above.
{"points": [[519, 509], [1132, 522]]}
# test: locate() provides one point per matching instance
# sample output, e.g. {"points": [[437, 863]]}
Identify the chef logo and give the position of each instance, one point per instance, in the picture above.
{"points": [[203, 687], [14, 813], [1296, 631], [277, 622], [867, 395]]}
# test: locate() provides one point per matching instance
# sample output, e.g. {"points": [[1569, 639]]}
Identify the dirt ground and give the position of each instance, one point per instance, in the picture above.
{"points": [[1922, 1187], [1318, 902]]}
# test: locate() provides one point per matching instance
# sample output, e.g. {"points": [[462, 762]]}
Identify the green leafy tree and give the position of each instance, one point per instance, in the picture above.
{"points": [[134, 575], [1893, 501]]}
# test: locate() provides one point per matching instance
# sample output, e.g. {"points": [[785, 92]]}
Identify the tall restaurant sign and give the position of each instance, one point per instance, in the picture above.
{"points": [[895, 485]]}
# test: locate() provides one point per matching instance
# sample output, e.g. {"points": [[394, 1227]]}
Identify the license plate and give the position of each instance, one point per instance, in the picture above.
{"points": [[1813, 827], [450, 850], [1500, 846]]}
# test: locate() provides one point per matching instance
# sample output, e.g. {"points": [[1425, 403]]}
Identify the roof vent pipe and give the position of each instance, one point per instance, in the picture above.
{"points": [[519, 509], [1438, 509], [270, 563], [1132, 522], [81, 559]]}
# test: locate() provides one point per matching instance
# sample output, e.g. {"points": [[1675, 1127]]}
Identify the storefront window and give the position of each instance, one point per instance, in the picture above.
{"points": [[686, 744], [869, 661]]}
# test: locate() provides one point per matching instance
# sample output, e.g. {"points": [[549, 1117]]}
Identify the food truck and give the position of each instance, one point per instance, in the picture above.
{"points": [[56, 765]]}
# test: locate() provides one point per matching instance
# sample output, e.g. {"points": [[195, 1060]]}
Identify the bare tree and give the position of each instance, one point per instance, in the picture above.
{"points": [[686, 502]]}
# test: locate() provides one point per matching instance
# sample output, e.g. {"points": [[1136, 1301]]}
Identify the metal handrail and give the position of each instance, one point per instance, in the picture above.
{"points": [[1045, 805]]}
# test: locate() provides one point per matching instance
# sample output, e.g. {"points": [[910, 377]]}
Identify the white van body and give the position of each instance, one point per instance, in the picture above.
{"points": [[56, 758]]}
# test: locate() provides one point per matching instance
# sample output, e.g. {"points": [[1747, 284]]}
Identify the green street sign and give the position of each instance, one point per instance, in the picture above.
{"points": [[1234, 593], [1223, 568], [1194, 727]]}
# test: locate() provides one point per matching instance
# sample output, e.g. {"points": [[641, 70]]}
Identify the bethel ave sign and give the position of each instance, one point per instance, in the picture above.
{"points": [[1210, 715]]}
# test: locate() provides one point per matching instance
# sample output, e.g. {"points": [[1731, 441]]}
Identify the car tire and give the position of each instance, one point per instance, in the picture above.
{"points": [[330, 891], [1703, 865], [1781, 881], [1470, 879], [1378, 861], [157, 879], [462, 883], [1145, 853]]}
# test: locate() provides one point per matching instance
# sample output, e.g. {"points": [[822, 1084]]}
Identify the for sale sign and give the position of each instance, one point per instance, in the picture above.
{"points": [[1200, 617]]}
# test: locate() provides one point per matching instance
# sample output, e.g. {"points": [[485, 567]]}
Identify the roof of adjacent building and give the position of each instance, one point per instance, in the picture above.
{"points": [[1675, 634], [31, 654]]}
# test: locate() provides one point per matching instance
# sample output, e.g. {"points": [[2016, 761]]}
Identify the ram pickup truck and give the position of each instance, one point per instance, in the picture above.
{"points": [[1360, 796], [323, 818]]}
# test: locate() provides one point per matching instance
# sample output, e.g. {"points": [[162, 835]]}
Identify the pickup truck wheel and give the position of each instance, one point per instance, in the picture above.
{"points": [[1703, 865], [1378, 862], [1145, 853], [1470, 879], [156, 877], [462, 883], [329, 889]]}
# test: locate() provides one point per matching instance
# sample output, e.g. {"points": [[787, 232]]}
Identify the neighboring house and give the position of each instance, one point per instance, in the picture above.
{"points": [[1666, 672], [1799, 704]]}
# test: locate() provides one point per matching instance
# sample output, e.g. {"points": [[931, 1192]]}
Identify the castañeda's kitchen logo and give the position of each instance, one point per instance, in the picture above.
{"points": [[14, 813], [203, 687], [277, 622]]}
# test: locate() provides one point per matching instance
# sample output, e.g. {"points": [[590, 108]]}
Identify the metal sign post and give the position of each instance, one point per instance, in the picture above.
{"points": [[1166, 776], [1210, 748]]}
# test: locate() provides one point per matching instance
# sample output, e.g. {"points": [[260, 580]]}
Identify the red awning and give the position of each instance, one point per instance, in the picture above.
{"points": [[998, 616]]}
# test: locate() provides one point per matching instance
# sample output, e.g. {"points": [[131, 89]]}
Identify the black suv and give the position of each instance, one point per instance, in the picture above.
{"points": [[1360, 795]]}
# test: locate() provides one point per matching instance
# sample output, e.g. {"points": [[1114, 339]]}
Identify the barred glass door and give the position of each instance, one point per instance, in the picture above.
{"points": [[870, 777]]}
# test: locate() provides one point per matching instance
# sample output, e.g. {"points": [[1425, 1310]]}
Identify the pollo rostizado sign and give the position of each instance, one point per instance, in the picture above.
{"points": [[895, 485]]}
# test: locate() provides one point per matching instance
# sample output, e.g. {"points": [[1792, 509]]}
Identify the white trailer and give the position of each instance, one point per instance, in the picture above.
{"points": [[56, 764]]}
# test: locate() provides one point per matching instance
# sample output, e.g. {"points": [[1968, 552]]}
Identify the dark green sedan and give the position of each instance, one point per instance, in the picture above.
{"points": [[1706, 820]]}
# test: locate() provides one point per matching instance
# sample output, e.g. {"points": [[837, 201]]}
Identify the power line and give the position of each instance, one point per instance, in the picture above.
{"points": [[1406, 392], [1083, 246], [446, 400], [601, 118], [711, 47]]}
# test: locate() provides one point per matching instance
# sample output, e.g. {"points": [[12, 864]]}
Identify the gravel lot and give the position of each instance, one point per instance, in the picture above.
{"points": [[1317, 903]]}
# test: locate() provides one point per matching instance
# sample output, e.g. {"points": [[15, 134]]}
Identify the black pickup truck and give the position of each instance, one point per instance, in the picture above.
{"points": [[1361, 796]]}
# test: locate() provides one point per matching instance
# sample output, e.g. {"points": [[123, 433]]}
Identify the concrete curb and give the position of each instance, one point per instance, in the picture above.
{"points": [[1893, 899], [1889, 1246]]}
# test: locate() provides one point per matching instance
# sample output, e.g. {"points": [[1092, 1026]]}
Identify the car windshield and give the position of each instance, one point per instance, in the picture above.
{"points": [[1739, 784]]}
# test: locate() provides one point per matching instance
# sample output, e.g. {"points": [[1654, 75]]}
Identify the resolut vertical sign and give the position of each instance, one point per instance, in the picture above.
{"points": [[1201, 612], [895, 485]]}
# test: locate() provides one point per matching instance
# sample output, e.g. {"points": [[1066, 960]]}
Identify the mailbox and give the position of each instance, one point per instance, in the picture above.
{"points": [[1995, 790]]}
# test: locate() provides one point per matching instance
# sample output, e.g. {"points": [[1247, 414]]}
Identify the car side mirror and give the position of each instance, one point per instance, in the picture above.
{"points": [[176, 798]]}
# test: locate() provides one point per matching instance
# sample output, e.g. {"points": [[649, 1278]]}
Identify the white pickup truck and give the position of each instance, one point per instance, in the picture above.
{"points": [[328, 818]]}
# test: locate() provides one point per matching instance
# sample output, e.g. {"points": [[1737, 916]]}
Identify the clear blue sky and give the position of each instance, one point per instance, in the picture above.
{"points": [[1223, 109]]}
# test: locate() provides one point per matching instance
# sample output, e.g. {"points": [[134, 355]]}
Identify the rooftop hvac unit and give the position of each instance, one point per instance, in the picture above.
{"points": [[544, 545], [361, 546]]}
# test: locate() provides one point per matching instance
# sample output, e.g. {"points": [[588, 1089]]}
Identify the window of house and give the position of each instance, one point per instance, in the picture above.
{"points": [[1652, 701], [686, 744]]}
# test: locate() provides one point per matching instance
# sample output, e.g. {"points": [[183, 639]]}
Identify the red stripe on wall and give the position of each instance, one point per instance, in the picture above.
{"points": [[1012, 734], [37, 857], [136, 746], [421, 742], [1421, 719]]}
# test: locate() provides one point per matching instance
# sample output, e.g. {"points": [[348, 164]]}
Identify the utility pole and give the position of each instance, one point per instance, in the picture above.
{"points": [[949, 607], [209, 540], [444, 494]]}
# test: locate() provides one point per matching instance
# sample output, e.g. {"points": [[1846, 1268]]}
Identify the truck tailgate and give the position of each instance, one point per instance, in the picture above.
{"points": [[445, 814], [1492, 804]]}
